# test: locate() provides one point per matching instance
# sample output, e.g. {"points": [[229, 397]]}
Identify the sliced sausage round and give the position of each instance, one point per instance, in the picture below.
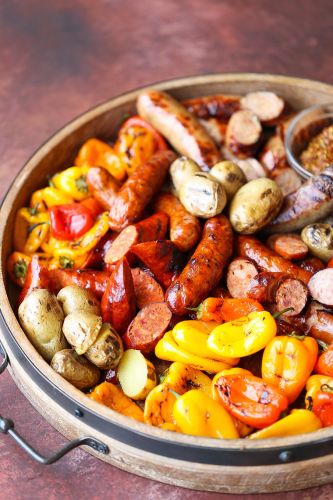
{"points": [[239, 275]]}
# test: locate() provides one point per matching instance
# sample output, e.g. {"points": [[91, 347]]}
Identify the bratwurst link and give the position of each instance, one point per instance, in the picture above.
{"points": [[205, 268], [179, 127]]}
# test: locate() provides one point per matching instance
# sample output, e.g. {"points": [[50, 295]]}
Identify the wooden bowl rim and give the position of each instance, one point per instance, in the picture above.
{"points": [[19, 336]]}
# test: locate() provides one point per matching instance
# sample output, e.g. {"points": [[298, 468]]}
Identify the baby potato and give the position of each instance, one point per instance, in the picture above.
{"points": [[181, 169], [319, 238], [255, 205], [230, 175], [136, 375], [73, 298], [76, 369], [107, 349], [81, 329], [41, 318], [202, 195]]}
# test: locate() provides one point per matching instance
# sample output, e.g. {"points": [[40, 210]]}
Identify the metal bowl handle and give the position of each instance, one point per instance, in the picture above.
{"points": [[7, 427]]}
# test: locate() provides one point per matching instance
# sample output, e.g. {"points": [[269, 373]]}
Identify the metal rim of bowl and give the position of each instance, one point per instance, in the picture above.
{"points": [[237, 452]]}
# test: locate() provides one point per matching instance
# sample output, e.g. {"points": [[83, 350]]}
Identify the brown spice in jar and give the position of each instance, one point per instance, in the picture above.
{"points": [[319, 153]]}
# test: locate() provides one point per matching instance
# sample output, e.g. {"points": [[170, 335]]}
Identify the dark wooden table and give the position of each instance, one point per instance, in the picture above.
{"points": [[57, 59]]}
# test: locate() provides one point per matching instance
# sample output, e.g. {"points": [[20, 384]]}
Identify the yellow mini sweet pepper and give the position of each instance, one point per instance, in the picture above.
{"points": [[181, 378], [197, 414], [158, 407], [49, 196], [192, 336], [30, 230], [244, 336], [72, 182], [169, 350], [313, 386], [297, 422]]}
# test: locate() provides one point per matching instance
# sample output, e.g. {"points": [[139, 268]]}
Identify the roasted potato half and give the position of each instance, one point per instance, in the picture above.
{"points": [[107, 349], [81, 329], [319, 238], [76, 369], [73, 298], [41, 317]]}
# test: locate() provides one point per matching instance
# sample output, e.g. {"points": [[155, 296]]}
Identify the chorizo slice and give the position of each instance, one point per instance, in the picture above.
{"points": [[204, 269], [118, 302], [139, 189], [152, 228], [103, 186], [185, 228], [179, 127], [213, 106], [162, 258], [290, 246], [146, 288], [243, 134], [148, 327], [239, 275], [268, 260], [268, 106]]}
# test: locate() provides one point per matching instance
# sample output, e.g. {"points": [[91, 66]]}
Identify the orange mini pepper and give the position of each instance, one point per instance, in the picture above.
{"points": [[324, 364], [110, 395], [288, 362]]}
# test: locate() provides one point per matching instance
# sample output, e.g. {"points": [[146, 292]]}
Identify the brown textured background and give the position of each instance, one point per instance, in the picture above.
{"points": [[59, 58]]}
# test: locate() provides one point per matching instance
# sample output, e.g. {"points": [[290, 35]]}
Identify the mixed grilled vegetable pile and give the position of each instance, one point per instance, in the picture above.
{"points": [[183, 276]]}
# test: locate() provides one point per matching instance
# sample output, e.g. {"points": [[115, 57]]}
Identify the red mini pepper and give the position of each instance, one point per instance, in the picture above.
{"points": [[324, 364], [70, 221], [137, 121], [322, 405]]}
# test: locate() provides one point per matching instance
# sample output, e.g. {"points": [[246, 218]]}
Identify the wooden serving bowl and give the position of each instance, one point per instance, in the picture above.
{"points": [[233, 466]]}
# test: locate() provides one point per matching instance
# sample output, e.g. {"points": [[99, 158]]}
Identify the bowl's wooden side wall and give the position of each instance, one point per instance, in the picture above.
{"points": [[59, 152]]}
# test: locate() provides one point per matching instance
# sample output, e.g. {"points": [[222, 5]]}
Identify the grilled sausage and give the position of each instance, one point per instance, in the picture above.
{"points": [[243, 134], [92, 280], [279, 289], [135, 194], [204, 269], [103, 186], [319, 322], [185, 228], [239, 276], [289, 246], [148, 327], [118, 303], [146, 289], [162, 258], [179, 127], [311, 202], [216, 128], [152, 228], [213, 106], [273, 154], [267, 260], [287, 180], [251, 168], [313, 264], [266, 105]]}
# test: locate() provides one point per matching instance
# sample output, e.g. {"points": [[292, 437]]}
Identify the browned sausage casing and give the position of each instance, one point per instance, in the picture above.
{"points": [[280, 289], [147, 290], [213, 106], [141, 186], [205, 268], [179, 127], [104, 187], [267, 260], [185, 228]]}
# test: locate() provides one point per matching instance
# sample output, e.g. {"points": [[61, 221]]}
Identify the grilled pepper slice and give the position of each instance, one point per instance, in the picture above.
{"points": [[244, 336], [181, 378], [96, 153], [197, 414], [158, 407], [297, 422], [169, 350]]}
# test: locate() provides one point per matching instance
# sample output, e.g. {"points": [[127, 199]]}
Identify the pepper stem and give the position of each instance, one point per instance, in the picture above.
{"points": [[279, 313]]}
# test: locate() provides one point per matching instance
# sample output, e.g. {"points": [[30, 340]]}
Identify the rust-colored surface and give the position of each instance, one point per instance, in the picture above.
{"points": [[57, 59]]}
